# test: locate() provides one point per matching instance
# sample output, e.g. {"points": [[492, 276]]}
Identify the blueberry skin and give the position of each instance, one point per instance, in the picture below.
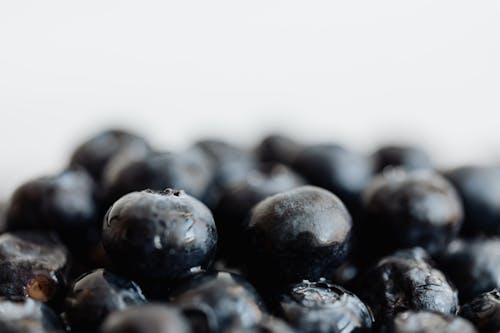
{"points": [[95, 295], [230, 164], [159, 235], [189, 170], [484, 311], [407, 157], [277, 148], [66, 203], [150, 318], [406, 209], [236, 202], [322, 307], [407, 280], [215, 301], [97, 151], [479, 189], [473, 265], [136, 151], [33, 264], [27, 311], [422, 322], [341, 171], [300, 234]]}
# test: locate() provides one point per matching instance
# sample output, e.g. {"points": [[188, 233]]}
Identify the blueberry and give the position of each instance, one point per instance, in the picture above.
{"points": [[151, 318], [133, 152], [473, 266], [422, 322], [236, 202], [300, 234], [96, 152], [407, 280], [406, 157], [230, 163], [341, 171], [189, 170], [95, 295], [33, 264], [484, 311], [65, 203], [216, 301], [28, 312], [277, 148], [479, 189], [406, 209], [159, 235], [322, 307], [268, 325]]}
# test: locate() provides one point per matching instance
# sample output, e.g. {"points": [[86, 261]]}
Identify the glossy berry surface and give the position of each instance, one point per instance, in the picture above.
{"points": [[189, 170], [159, 235], [484, 311], [406, 157], [95, 295], [216, 301], [33, 264], [407, 280], [424, 322], [94, 154], [300, 234], [479, 189], [236, 202], [65, 203], [337, 169], [150, 318], [473, 266], [322, 307], [406, 209]]}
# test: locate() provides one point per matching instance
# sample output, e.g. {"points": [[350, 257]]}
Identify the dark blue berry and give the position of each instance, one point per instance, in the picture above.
{"points": [[473, 265], [343, 172], [278, 148], [407, 157], [406, 209], [66, 203], [218, 300], [95, 295], [484, 311], [479, 189], [300, 234], [189, 170], [322, 307], [231, 213], [96, 152], [407, 280], [159, 235]]}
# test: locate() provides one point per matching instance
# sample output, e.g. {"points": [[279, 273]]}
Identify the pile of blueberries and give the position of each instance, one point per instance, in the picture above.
{"points": [[281, 238]]}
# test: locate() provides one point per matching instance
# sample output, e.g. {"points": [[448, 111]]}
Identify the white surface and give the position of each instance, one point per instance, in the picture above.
{"points": [[356, 71]]}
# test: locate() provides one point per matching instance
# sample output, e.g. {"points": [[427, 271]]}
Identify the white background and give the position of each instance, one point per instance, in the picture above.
{"points": [[358, 72]]}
